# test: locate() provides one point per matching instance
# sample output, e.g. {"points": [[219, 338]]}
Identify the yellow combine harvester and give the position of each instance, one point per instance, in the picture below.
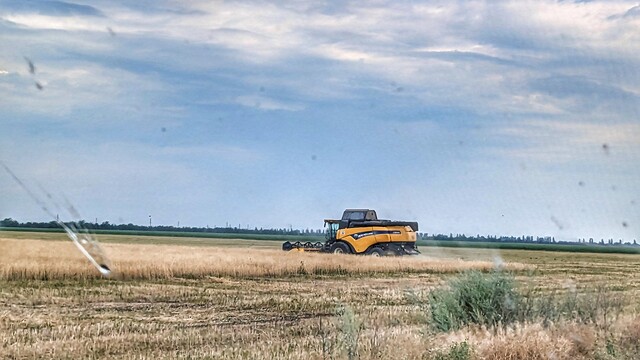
{"points": [[361, 232]]}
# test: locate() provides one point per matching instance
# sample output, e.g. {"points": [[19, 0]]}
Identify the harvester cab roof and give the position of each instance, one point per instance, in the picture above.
{"points": [[359, 215], [354, 215]]}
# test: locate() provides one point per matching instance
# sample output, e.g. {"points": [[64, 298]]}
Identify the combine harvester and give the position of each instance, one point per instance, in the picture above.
{"points": [[361, 232]]}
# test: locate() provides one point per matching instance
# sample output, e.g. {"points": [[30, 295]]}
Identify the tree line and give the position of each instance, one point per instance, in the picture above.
{"points": [[522, 239], [11, 223]]}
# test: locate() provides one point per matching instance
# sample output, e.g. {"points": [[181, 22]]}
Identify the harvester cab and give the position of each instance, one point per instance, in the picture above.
{"points": [[359, 231], [331, 229]]}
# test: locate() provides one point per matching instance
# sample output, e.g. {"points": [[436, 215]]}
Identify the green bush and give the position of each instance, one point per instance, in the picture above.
{"points": [[475, 298], [493, 299], [457, 351]]}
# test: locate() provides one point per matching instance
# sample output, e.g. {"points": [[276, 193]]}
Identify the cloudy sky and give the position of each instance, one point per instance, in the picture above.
{"points": [[510, 117]]}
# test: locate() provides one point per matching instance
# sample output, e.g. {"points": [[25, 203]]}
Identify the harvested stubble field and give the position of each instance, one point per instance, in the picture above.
{"points": [[248, 300]]}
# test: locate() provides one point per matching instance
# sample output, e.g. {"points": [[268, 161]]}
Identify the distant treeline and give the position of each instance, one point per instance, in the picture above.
{"points": [[490, 238], [106, 226], [522, 239], [11, 223]]}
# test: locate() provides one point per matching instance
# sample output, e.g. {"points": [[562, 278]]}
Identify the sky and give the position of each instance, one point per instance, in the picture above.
{"points": [[476, 117]]}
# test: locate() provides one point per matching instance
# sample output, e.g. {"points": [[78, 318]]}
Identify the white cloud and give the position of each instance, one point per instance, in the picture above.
{"points": [[562, 142], [235, 154], [264, 103], [391, 41], [73, 85], [70, 23]]}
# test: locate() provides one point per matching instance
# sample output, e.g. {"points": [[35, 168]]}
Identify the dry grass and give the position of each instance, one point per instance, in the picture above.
{"points": [[51, 260], [564, 341]]}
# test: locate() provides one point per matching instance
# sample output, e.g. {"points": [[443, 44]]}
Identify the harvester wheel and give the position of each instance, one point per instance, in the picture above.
{"points": [[339, 248], [376, 252]]}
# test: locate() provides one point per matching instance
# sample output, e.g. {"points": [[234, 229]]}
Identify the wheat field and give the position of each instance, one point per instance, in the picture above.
{"points": [[50, 260], [242, 301]]}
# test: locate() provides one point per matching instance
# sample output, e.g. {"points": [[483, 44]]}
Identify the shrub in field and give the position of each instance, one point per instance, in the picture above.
{"points": [[583, 340], [599, 306], [457, 351], [492, 299], [475, 298], [350, 328], [629, 339]]}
